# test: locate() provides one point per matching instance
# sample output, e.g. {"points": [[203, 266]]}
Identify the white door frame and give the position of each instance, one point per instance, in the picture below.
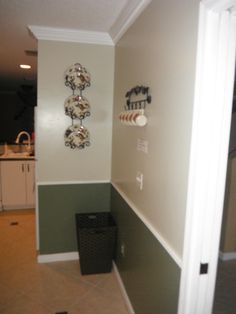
{"points": [[209, 153]]}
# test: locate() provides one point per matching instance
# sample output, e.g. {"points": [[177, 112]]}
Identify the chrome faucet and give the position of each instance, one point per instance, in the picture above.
{"points": [[28, 136]]}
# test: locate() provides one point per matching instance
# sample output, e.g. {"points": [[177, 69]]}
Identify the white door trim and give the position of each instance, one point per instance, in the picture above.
{"points": [[209, 153]]}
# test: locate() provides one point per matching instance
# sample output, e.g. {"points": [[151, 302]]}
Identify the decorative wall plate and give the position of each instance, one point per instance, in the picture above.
{"points": [[77, 107], [77, 77], [77, 136]]}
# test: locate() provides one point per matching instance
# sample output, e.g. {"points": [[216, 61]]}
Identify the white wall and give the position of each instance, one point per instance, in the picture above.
{"points": [[56, 162], [159, 51]]}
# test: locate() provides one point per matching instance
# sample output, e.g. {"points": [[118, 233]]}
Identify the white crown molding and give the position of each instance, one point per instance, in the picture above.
{"points": [[127, 17], [70, 35]]}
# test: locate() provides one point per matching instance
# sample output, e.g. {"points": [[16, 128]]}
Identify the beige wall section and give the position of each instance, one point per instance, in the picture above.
{"points": [[228, 234], [55, 161], [159, 50], [232, 142]]}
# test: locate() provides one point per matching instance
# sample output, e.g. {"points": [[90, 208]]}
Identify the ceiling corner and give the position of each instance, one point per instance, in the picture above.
{"points": [[127, 17]]}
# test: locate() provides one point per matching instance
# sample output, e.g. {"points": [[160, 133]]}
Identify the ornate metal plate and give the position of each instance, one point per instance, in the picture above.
{"points": [[77, 107], [77, 136], [77, 77]]}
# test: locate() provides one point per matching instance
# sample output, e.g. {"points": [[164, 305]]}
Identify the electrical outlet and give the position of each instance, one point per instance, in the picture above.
{"points": [[122, 249]]}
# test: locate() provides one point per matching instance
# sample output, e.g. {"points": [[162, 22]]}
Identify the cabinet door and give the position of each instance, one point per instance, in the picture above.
{"points": [[30, 183], [13, 184], [0, 189]]}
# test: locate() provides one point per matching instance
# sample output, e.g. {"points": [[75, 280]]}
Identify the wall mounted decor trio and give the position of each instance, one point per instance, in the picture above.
{"points": [[137, 98], [77, 106]]}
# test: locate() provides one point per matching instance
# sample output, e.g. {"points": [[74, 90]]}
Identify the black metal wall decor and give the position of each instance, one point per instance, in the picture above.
{"points": [[77, 107], [137, 98]]}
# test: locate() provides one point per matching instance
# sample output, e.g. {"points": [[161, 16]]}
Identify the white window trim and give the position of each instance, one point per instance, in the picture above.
{"points": [[209, 153]]}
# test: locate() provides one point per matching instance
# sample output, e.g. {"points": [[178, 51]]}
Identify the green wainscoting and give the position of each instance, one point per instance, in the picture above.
{"points": [[57, 207], [150, 275]]}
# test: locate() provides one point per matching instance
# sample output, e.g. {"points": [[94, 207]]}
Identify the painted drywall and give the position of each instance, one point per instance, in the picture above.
{"points": [[228, 231], [58, 205], [159, 51], [228, 234], [55, 161], [232, 142], [150, 275]]}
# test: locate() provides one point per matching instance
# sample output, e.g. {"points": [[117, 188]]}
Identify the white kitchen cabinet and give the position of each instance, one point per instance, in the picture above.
{"points": [[30, 183], [18, 184], [0, 190]]}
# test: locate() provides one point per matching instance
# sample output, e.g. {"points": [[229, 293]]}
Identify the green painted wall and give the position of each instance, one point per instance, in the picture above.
{"points": [[150, 275], [57, 207]]}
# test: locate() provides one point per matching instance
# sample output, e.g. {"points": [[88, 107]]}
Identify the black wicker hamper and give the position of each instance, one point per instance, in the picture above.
{"points": [[96, 238]]}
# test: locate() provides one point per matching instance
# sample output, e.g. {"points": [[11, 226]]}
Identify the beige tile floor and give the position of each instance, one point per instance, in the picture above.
{"points": [[27, 287]]}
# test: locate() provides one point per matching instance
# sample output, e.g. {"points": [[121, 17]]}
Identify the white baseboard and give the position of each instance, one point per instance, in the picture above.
{"points": [[71, 182], [123, 291], [227, 256], [16, 207], [58, 257]]}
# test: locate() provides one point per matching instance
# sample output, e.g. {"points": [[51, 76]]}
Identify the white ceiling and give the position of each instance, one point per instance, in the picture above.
{"points": [[17, 15]]}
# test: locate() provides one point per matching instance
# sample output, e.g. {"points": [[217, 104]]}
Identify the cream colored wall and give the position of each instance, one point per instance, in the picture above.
{"points": [[56, 162], [159, 51], [228, 236], [228, 232]]}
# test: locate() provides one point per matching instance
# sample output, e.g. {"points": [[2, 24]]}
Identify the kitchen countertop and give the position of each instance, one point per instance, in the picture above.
{"points": [[17, 158]]}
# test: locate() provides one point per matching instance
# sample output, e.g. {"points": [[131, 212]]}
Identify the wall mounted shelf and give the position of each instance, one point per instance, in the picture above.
{"points": [[134, 113]]}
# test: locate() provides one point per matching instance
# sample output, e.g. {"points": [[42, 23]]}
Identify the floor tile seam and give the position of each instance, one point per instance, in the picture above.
{"points": [[27, 292], [92, 291], [84, 296], [112, 294], [81, 297], [99, 283], [89, 282], [78, 278], [112, 306], [35, 299], [105, 279]]}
